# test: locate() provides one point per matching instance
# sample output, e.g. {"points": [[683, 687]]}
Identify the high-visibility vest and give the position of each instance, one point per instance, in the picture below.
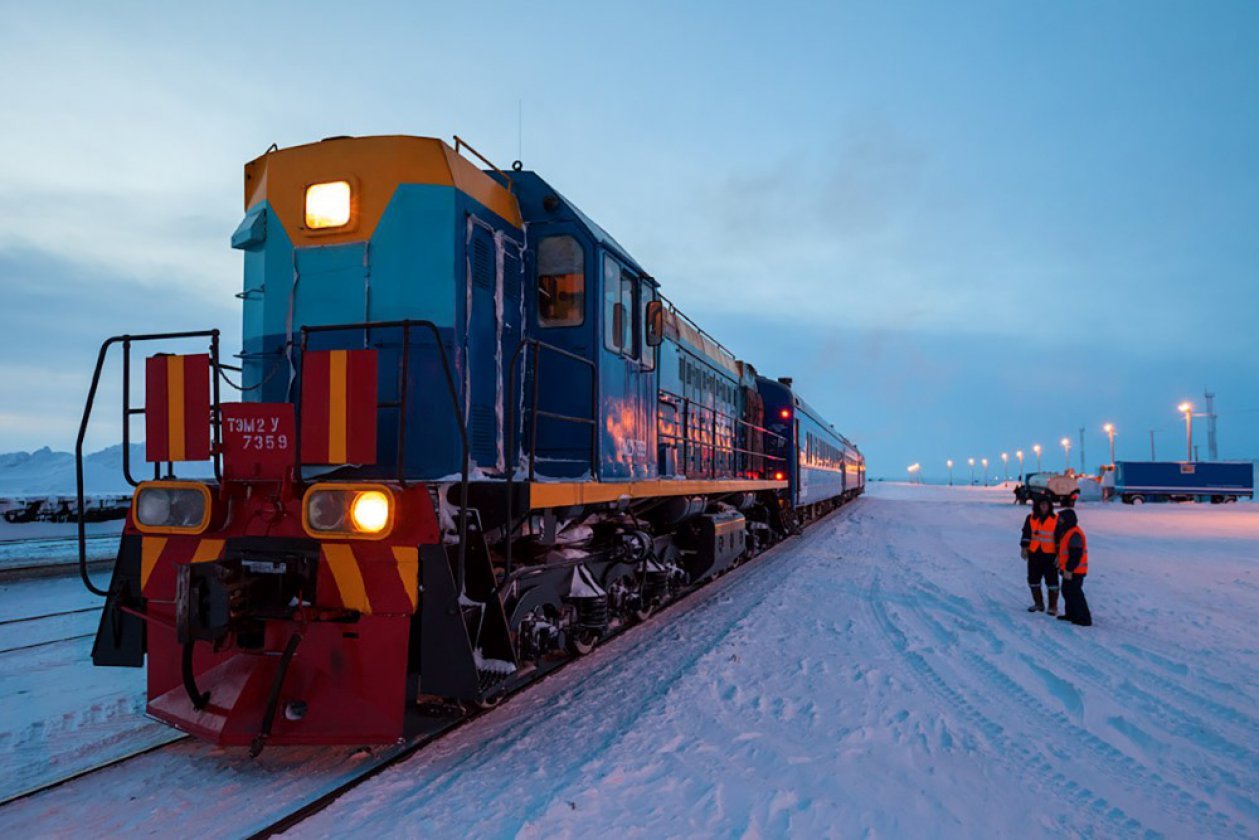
{"points": [[1064, 552], [1043, 534]]}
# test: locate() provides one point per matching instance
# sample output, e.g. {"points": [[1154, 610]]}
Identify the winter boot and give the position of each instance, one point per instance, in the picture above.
{"points": [[1053, 600], [1039, 606]]}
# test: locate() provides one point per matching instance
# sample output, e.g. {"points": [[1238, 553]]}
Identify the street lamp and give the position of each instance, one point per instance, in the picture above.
{"points": [[1037, 450], [950, 463], [971, 461], [1066, 451], [1005, 467], [1109, 429], [1019, 455], [985, 463], [1187, 408]]}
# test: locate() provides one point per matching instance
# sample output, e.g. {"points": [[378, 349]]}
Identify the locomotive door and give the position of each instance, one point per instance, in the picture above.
{"points": [[627, 376], [493, 329]]}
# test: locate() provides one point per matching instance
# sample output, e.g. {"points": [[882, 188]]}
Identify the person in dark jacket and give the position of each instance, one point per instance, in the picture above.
{"points": [[1039, 548], [1073, 563]]}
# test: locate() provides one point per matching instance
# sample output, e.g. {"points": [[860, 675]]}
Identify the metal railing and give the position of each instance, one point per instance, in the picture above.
{"points": [[742, 459], [400, 404], [534, 413], [127, 413]]}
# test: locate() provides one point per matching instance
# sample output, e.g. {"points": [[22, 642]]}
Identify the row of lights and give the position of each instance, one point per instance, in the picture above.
{"points": [[1185, 408]]}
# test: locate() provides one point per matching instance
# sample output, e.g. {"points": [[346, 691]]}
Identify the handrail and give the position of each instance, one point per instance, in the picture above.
{"points": [[401, 404], [714, 446], [593, 421], [127, 413], [460, 142]]}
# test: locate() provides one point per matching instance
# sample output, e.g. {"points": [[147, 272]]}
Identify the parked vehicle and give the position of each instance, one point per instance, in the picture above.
{"points": [[1216, 482], [1059, 487]]}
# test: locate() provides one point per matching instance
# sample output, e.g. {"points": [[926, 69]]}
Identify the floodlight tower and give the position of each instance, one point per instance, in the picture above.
{"points": [[1213, 451]]}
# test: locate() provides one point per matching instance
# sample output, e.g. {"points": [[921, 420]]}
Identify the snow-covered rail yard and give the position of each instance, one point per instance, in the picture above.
{"points": [[877, 675]]}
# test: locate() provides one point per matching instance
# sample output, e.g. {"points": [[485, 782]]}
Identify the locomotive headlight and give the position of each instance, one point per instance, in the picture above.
{"points": [[364, 511], [168, 506], [325, 510], [328, 204], [370, 511]]}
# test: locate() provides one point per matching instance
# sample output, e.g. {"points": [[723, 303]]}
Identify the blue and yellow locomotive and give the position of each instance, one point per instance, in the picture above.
{"points": [[473, 440]]}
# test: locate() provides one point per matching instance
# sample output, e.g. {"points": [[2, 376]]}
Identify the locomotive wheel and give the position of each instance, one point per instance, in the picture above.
{"points": [[581, 642], [483, 704]]}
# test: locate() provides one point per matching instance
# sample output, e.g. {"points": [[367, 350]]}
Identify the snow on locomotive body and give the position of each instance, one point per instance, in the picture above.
{"points": [[473, 441]]}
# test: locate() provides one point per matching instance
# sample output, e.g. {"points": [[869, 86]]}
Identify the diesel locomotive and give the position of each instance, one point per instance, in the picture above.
{"points": [[472, 441]]}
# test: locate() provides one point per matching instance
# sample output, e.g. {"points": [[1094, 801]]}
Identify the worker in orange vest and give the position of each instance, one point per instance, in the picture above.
{"points": [[1073, 562], [1039, 549]]}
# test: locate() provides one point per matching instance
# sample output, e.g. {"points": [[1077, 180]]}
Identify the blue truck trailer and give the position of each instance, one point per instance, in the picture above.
{"points": [[1183, 481]]}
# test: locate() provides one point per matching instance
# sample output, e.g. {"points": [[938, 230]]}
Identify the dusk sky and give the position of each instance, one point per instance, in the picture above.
{"points": [[962, 228]]}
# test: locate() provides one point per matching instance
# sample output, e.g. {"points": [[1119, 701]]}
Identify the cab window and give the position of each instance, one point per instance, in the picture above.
{"points": [[561, 282], [620, 321], [646, 294]]}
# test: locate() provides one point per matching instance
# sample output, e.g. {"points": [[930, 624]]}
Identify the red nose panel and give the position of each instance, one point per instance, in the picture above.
{"points": [[339, 407], [177, 408]]}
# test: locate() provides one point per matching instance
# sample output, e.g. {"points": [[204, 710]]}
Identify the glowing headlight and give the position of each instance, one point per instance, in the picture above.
{"points": [[172, 507], [328, 205], [356, 511], [370, 511]]}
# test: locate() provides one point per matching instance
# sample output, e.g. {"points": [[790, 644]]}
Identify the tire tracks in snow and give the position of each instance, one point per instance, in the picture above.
{"points": [[1118, 678], [1035, 769], [1204, 815]]}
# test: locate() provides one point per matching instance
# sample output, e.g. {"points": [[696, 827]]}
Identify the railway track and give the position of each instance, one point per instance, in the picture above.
{"points": [[95, 768], [23, 633], [437, 726]]}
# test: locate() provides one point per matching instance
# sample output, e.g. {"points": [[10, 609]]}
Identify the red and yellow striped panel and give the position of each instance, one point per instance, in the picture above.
{"points": [[371, 579], [177, 408], [339, 407]]}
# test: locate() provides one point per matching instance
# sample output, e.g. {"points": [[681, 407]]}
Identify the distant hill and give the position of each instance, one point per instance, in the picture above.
{"points": [[45, 472]]}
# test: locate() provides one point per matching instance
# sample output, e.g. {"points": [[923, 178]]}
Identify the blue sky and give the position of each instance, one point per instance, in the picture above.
{"points": [[962, 228]]}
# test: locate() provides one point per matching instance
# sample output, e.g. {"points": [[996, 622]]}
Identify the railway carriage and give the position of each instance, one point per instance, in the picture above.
{"points": [[473, 440]]}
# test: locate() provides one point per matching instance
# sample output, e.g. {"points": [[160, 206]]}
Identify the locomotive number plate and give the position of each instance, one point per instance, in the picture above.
{"points": [[258, 441]]}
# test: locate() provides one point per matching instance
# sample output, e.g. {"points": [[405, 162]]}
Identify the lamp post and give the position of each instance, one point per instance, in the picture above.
{"points": [[1109, 429], [1066, 452], [1036, 448], [971, 461], [1005, 467], [1019, 455], [985, 463], [950, 463], [1187, 408]]}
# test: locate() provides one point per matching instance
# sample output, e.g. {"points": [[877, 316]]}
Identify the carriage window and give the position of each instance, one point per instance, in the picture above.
{"points": [[561, 282]]}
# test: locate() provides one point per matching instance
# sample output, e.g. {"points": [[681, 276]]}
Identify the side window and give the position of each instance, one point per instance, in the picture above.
{"points": [[613, 323], [620, 311], [629, 314], [561, 282], [645, 296]]}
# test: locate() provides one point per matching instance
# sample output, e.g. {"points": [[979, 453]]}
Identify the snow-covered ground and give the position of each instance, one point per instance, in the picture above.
{"points": [[878, 675]]}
